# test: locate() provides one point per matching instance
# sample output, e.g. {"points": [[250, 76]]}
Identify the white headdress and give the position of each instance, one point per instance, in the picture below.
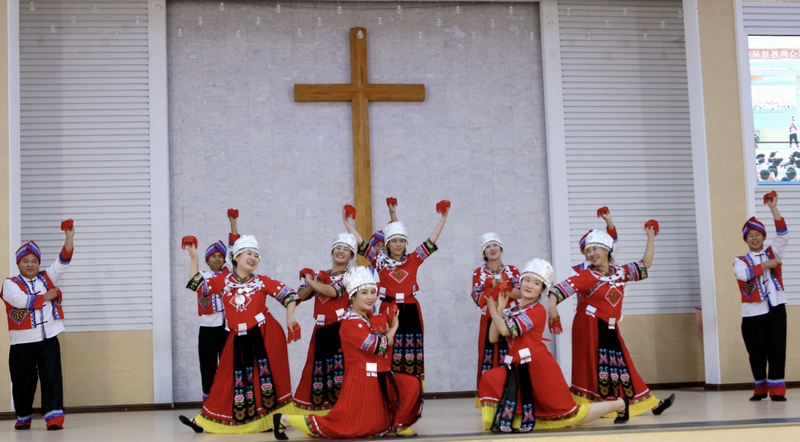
{"points": [[395, 230], [244, 243], [599, 238], [539, 269], [490, 238], [346, 239], [357, 277]]}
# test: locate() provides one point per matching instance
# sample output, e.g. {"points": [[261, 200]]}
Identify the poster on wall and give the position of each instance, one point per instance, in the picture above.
{"points": [[775, 85]]}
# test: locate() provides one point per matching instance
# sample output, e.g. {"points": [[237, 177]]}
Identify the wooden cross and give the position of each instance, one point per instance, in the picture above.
{"points": [[360, 92]]}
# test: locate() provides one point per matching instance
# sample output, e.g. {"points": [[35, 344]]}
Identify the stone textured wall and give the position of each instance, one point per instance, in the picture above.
{"points": [[237, 139]]}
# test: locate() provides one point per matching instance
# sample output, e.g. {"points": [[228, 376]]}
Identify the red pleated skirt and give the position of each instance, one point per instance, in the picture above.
{"points": [[362, 409], [217, 413], [551, 395], [586, 368]]}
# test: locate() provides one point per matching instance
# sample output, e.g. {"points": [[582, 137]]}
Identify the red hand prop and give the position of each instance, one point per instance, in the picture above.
{"points": [[350, 211], [324, 277], [504, 286], [233, 213], [390, 201], [555, 327], [391, 310], [188, 240], [66, 225], [293, 334], [379, 323], [652, 223], [488, 287], [305, 272], [442, 206], [769, 196], [601, 211]]}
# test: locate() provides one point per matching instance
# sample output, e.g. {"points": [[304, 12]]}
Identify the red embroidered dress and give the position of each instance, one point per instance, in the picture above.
{"points": [[362, 409], [252, 381], [399, 286], [602, 369], [321, 381], [533, 386], [490, 355]]}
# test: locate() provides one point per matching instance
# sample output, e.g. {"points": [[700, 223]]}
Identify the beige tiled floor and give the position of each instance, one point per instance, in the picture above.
{"points": [[442, 419]]}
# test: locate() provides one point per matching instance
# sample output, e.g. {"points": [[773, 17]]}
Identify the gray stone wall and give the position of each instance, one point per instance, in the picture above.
{"points": [[237, 139]]}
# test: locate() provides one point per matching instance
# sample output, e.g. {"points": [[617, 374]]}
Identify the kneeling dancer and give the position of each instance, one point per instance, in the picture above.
{"points": [[374, 401], [530, 392]]}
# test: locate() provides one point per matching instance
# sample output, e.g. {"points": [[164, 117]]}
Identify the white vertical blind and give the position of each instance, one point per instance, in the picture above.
{"points": [[780, 19], [85, 154], [628, 146]]}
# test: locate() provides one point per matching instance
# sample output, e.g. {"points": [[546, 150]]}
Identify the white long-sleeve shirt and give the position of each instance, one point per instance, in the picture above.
{"points": [[765, 283], [47, 326]]}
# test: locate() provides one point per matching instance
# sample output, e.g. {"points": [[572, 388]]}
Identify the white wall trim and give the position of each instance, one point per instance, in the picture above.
{"points": [[557, 169], [745, 97], [159, 199], [702, 195], [14, 191]]}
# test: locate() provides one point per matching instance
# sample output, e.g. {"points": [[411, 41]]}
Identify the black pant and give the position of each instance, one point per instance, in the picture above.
{"points": [[210, 344], [32, 361], [792, 137], [765, 339]]}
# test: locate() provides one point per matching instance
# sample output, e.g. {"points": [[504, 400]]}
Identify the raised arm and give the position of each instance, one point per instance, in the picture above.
{"points": [[781, 239], [349, 226], [194, 264], [434, 236], [68, 240], [57, 269], [647, 259], [393, 212]]}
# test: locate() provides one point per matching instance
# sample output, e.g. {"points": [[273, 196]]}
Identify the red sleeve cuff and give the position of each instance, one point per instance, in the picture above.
{"points": [[232, 239], [38, 304], [65, 256], [757, 270], [612, 233], [780, 223]]}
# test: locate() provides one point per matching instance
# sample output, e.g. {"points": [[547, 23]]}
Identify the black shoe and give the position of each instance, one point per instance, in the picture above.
{"points": [[280, 430], [758, 397], [663, 405], [190, 423], [54, 427], [622, 418], [778, 398]]}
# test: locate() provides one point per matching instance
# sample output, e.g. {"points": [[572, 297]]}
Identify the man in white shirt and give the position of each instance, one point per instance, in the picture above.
{"points": [[760, 281], [35, 318]]}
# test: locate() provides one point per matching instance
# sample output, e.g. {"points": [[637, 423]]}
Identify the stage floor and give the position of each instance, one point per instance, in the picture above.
{"points": [[696, 415]]}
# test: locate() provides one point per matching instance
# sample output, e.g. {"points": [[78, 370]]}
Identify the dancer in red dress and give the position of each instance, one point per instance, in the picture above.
{"points": [[252, 381], [398, 275], [602, 368], [490, 355], [530, 392], [321, 382], [374, 401]]}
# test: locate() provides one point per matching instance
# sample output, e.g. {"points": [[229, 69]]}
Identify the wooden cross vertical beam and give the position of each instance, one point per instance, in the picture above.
{"points": [[360, 92]]}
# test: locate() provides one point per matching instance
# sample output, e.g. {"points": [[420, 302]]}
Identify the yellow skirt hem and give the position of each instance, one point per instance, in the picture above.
{"points": [[258, 426]]}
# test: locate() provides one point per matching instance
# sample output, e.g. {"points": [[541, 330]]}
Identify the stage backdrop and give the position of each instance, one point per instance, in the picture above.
{"points": [[237, 139]]}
